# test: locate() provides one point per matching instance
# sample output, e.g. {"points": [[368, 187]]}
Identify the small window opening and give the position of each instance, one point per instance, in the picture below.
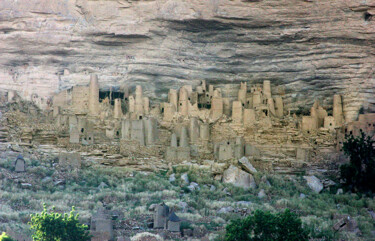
{"points": [[228, 142], [162, 110], [89, 138], [140, 117], [351, 132], [330, 124], [82, 130], [117, 133], [367, 16]]}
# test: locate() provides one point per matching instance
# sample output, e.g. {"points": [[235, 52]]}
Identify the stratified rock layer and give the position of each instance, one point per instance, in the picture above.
{"points": [[313, 48]]}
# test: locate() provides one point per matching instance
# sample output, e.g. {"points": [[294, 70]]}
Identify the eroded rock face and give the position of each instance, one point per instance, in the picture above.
{"points": [[245, 163], [314, 183], [238, 178], [312, 49]]}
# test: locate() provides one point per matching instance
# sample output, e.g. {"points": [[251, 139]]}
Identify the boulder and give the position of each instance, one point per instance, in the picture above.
{"points": [[193, 186], [172, 178], [47, 180], [314, 183], [102, 185], [244, 203], [226, 210], [152, 207], [246, 165], [145, 236], [238, 178], [218, 168], [262, 194], [185, 178], [328, 183]]}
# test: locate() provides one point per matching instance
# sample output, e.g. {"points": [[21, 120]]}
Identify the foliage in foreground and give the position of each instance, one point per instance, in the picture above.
{"points": [[266, 226], [52, 226], [359, 173], [5, 237]]}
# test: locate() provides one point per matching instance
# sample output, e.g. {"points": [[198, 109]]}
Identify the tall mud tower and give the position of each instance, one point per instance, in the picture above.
{"points": [[94, 95]]}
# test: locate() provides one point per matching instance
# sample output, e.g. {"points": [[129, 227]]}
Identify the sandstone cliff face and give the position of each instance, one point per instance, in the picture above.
{"points": [[313, 48]]}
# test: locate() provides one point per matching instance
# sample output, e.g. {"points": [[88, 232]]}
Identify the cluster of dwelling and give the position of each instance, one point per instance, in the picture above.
{"points": [[197, 123], [101, 226], [201, 123]]}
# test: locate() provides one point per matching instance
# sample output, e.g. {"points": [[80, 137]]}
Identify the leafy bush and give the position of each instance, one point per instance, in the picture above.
{"points": [[359, 173], [52, 226], [5, 237], [266, 226]]}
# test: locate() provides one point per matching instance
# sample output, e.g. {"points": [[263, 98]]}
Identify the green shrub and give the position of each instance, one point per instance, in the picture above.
{"points": [[359, 173], [52, 226], [5, 237], [266, 226]]}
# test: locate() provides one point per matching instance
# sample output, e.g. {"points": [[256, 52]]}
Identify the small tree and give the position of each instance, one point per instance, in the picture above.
{"points": [[265, 226], [52, 226], [359, 173], [5, 237]]}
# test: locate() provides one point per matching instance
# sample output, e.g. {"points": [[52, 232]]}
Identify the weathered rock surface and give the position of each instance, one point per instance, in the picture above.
{"points": [[246, 165], [314, 183], [315, 48], [185, 178], [238, 178], [146, 236], [226, 210], [172, 177], [262, 194]]}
